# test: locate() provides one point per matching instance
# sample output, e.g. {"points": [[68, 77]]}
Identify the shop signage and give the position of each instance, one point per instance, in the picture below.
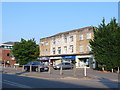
{"points": [[55, 57], [64, 57], [43, 58]]}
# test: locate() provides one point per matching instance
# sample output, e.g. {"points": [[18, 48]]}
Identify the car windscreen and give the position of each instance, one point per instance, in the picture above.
{"points": [[34, 63], [67, 63], [59, 64]]}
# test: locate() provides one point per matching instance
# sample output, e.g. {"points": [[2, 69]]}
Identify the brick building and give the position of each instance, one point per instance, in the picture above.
{"points": [[5, 57], [71, 46]]}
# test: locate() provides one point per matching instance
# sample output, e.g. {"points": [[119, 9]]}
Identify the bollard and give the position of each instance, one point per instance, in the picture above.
{"points": [[23, 68], [38, 68], [118, 70], [74, 70], [49, 69], [30, 68], [61, 70], [85, 71], [103, 69], [112, 70], [14, 66], [16, 69]]}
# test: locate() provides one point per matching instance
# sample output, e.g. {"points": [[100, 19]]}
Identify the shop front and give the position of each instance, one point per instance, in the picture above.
{"points": [[70, 59], [44, 60], [55, 60], [85, 60]]}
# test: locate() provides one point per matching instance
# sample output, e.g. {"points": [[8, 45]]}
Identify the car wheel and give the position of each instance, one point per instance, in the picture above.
{"points": [[41, 69], [26, 69], [55, 68]]}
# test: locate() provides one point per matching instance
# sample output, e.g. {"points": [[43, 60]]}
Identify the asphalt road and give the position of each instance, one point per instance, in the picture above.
{"points": [[14, 81]]}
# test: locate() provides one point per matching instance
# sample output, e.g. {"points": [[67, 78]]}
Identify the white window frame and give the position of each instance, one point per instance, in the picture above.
{"points": [[88, 48], [59, 50], [46, 51], [53, 50], [65, 39], [46, 43], [71, 39], [81, 48], [65, 49], [71, 48], [89, 35], [81, 37], [42, 43], [53, 41]]}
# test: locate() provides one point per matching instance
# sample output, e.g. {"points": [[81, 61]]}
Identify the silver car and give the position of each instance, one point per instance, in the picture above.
{"points": [[65, 65]]}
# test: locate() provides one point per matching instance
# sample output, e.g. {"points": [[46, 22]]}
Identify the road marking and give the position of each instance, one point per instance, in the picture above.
{"points": [[16, 84]]}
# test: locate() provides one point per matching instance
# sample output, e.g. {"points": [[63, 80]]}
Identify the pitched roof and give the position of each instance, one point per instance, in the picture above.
{"points": [[9, 43]]}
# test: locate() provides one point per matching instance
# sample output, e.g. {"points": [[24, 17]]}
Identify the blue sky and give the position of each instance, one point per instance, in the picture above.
{"points": [[41, 19]]}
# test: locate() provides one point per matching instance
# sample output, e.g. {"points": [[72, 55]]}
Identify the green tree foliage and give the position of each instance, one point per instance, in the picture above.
{"points": [[106, 44], [25, 51]]}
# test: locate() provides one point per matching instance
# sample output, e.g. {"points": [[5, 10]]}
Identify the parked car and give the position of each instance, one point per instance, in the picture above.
{"points": [[34, 65], [65, 65]]}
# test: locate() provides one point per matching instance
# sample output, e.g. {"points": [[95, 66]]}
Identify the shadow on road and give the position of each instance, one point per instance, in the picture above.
{"points": [[113, 85], [37, 83]]}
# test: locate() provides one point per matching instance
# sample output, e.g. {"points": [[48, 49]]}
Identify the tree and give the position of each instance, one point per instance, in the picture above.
{"points": [[105, 45], [25, 51]]}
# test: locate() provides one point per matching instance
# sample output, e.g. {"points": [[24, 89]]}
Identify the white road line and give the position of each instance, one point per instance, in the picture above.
{"points": [[16, 84]]}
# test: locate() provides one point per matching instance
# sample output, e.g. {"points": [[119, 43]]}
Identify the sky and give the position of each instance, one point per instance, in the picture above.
{"points": [[42, 19]]}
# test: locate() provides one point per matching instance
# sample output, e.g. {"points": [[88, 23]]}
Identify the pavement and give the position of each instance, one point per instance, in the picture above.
{"points": [[67, 74]]}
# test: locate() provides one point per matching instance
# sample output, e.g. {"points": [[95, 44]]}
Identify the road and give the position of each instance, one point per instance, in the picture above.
{"points": [[14, 81]]}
